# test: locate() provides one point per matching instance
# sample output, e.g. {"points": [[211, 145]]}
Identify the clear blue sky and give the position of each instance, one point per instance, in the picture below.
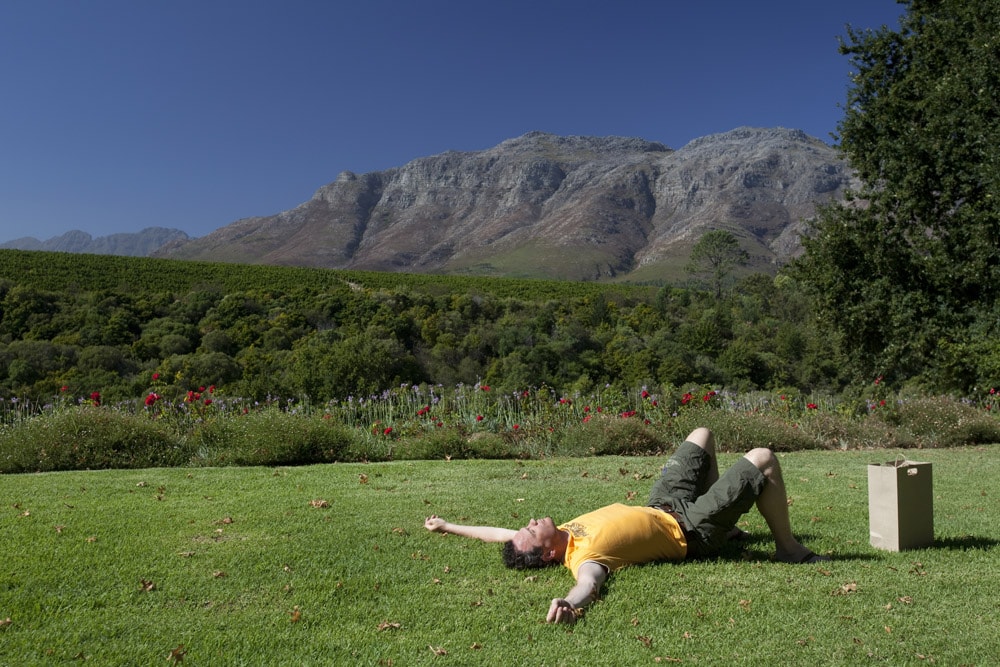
{"points": [[117, 115]]}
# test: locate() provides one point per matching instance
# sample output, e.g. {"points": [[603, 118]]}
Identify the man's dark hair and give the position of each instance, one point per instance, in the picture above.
{"points": [[522, 560]]}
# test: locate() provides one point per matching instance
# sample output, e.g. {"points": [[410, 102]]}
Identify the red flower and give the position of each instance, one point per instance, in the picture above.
{"points": [[811, 406], [645, 394], [156, 376], [387, 430], [64, 389], [152, 399], [484, 387], [686, 398], [517, 426], [95, 398], [479, 418], [208, 401]]}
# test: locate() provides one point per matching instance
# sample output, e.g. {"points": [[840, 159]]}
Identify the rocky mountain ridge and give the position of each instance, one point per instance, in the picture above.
{"points": [[541, 205], [139, 244]]}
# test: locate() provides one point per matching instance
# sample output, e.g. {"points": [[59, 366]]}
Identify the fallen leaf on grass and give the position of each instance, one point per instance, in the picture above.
{"points": [[295, 615], [388, 625], [630, 495], [646, 641], [362, 478], [437, 650], [318, 504], [5, 622], [906, 599], [59, 529], [145, 585], [219, 574], [745, 604], [845, 589], [224, 522], [177, 654], [476, 646]]}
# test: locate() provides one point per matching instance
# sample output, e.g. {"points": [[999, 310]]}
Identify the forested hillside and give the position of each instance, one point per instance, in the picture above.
{"points": [[77, 324]]}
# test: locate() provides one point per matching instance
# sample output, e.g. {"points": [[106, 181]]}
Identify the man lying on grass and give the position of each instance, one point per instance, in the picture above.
{"points": [[691, 513]]}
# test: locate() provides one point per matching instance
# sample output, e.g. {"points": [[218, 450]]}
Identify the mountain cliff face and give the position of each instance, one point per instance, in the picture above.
{"points": [[540, 205]]}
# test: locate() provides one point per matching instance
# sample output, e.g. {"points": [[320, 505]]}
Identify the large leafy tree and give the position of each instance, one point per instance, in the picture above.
{"points": [[907, 270]]}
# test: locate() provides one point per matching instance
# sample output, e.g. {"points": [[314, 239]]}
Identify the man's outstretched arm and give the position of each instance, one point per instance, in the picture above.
{"points": [[436, 524], [589, 579]]}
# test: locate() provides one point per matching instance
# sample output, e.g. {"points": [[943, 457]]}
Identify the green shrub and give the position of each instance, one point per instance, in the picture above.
{"points": [[486, 445], [742, 431], [834, 431], [611, 435], [90, 438], [942, 422], [273, 437], [441, 443]]}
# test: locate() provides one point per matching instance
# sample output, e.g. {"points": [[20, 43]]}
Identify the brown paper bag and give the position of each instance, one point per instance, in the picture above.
{"points": [[900, 505]]}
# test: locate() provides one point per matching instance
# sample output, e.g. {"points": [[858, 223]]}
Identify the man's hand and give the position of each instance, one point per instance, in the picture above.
{"points": [[434, 523], [562, 611]]}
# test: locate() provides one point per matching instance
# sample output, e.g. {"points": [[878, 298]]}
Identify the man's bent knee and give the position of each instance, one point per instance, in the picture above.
{"points": [[701, 437], [762, 457]]}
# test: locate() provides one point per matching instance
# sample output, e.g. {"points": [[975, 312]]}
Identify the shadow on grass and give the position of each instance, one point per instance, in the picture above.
{"points": [[965, 543], [760, 547]]}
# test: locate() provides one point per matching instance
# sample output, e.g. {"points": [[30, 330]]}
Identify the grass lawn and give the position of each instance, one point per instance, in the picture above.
{"points": [[330, 564]]}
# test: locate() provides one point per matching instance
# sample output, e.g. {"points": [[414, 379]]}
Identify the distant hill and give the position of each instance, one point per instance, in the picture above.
{"points": [[541, 205], [140, 244]]}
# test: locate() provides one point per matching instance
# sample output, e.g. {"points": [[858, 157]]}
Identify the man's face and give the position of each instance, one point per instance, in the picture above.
{"points": [[538, 533]]}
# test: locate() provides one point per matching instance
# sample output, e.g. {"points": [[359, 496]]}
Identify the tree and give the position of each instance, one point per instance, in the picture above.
{"points": [[717, 253], [904, 271]]}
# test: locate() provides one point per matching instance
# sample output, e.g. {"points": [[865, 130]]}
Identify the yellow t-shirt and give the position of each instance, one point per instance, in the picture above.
{"points": [[620, 535]]}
